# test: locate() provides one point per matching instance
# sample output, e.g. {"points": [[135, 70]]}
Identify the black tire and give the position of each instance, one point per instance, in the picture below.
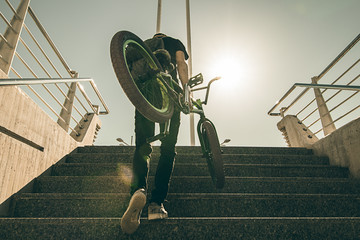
{"points": [[214, 158], [148, 95]]}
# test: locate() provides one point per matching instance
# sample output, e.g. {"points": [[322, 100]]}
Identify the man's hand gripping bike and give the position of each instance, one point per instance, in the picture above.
{"points": [[154, 93]]}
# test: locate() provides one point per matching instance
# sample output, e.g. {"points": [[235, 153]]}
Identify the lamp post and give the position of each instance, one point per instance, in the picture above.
{"points": [[158, 29], [158, 22], [188, 27]]}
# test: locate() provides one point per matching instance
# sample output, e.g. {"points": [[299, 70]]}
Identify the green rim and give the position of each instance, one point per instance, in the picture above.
{"points": [[149, 88]]}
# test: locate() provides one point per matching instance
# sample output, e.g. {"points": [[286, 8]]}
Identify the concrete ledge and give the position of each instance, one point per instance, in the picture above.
{"points": [[295, 132], [22, 122], [2, 74], [342, 147]]}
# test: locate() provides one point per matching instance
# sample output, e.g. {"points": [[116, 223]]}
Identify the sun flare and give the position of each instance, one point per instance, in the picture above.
{"points": [[231, 69], [228, 68]]}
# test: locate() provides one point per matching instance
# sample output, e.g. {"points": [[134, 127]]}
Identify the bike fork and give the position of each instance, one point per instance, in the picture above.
{"points": [[206, 152]]}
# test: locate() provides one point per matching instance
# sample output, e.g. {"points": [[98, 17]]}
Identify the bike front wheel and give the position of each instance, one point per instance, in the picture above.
{"points": [[213, 154], [137, 70]]}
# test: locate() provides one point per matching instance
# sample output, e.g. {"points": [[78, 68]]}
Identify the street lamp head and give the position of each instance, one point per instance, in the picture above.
{"points": [[225, 141], [120, 140]]}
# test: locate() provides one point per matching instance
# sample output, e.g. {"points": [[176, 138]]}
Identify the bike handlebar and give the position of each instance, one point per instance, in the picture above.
{"points": [[183, 96], [188, 89], [207, 89]]}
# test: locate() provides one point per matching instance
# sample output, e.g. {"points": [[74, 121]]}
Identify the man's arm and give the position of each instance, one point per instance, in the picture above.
{"points": [[182, 67]]}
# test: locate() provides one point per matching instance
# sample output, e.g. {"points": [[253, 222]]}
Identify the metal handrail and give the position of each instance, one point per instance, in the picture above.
{"points": [[336, 80], [36, 78], [324, 112], [41, 81], [56, 51], [52, 44], [43, 101], [12, 8], [340, 56], [308, 87]]}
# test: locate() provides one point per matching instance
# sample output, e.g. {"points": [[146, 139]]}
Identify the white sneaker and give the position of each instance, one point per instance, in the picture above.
{"points": [[156, 211], [130, 221]]}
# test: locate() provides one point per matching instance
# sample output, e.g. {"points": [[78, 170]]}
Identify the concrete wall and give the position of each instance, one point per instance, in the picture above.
{"points": [[24, 129], [342, 147], [295, 132]]}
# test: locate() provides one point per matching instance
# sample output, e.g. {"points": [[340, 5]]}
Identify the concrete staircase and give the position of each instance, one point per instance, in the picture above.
{"points": [[270, 193]]}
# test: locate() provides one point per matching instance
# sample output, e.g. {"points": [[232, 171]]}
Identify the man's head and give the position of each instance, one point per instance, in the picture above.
{"points": [[159, 35]]}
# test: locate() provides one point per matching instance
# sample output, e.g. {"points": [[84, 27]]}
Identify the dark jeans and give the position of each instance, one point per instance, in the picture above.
{"points": [[143, 130]]}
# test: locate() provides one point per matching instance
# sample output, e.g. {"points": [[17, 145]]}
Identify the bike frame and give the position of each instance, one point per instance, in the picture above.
{"points": [[183, 99]]}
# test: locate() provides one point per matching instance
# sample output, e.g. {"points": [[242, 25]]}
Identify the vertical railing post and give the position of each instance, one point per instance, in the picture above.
{"points": [[65, 114], [12, 34], [326, 119], [158, 21], [188, 28]]}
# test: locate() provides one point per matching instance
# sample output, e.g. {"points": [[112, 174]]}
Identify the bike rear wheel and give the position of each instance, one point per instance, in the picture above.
{"points": [[136, 69], [213, 154]]}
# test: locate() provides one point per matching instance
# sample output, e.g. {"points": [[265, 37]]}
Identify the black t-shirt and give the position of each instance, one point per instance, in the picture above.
{"points": [[173, 45]]}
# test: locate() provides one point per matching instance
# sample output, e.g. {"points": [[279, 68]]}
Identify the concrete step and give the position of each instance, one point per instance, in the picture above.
{"points": [[197, 150], [270, 193], [191, 205], [197, 158], [183, 228], [114, 184], [198, 169]]}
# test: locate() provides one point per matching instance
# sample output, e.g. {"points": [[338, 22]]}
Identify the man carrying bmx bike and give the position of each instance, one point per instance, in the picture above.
{"points": [[145, 129]]}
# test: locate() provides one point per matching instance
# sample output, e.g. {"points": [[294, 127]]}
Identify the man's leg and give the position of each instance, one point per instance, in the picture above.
{"points": [[131, 218], [165, 168], [143, 130]]}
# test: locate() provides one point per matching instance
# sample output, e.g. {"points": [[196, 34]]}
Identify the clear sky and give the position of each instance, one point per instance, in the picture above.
{"points": [[260, 47]]}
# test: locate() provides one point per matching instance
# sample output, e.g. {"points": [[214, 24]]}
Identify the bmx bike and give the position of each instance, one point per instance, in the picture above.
{"points": [[154, 94]]}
